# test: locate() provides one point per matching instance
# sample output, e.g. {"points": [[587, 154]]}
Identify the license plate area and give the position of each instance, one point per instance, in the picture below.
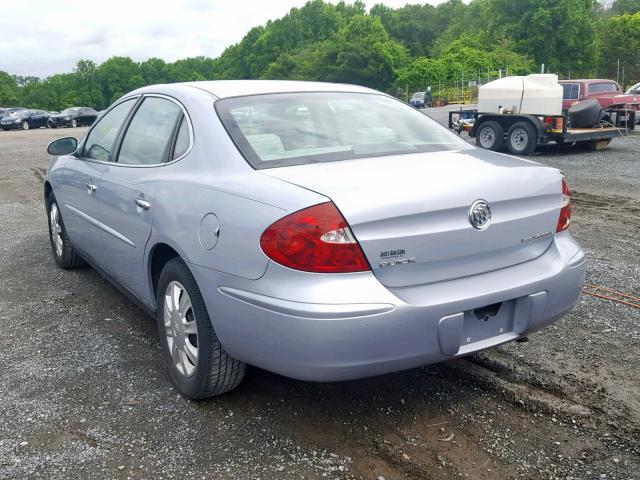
{"points": [[487, 322]]}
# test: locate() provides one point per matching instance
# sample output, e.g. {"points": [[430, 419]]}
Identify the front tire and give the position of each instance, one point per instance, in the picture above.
{"points": [[197, 362], [74, 123], [490, 136], [522, 138], [25, 126], [63, 253]]}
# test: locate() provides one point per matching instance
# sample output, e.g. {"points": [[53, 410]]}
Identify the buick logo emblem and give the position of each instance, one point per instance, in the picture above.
{"points": [[480, 215]]}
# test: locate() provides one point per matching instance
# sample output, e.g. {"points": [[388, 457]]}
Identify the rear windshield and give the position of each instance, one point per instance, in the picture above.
{"points": [[299, 128], [70, 111], [603, 88]]}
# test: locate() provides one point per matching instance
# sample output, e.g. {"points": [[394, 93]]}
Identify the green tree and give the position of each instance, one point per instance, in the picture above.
{"points": [[9, 94], [621, 7], [362, 53], [621, 41], [416, 26], [117, 76], [559, 33]]}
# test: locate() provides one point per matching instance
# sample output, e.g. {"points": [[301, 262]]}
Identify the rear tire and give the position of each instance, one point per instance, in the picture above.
{"points": [[198, 364], [522, 138], [490, 136], [63, 253], [74, 123]]}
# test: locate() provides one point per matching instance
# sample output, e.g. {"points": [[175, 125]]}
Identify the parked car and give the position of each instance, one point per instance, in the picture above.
{"points": [[73, 117], [321, 231], [24, 120], [634, 90], [421, 100], [607, 92], [8, 111]]}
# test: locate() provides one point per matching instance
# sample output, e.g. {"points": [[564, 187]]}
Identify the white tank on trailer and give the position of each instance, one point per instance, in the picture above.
{"points": [[538, 94]]}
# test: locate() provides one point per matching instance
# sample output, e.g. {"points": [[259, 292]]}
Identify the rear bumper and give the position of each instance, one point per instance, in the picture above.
{"points": [[59, 123], [328, 327]]}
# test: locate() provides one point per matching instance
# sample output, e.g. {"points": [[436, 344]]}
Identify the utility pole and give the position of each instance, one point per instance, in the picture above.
{"points": [[618, 72], [542, 68]]}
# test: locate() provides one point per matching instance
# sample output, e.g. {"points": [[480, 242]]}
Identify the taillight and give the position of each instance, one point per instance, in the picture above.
{"points": [[316, 239], [565, 208]]}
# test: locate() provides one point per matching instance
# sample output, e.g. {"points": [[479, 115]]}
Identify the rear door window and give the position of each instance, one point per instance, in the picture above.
{"points": [[183, 140], [149, 134]]}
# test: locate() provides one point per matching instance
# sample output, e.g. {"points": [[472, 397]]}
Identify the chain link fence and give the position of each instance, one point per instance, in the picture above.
{"points": [[465, 89]]}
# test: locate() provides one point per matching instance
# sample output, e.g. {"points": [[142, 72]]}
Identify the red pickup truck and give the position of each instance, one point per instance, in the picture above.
{"points": [[607, 92]]}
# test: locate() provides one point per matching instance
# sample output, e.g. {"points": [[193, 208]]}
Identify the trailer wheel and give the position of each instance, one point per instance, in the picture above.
{"points": [[522, 138], [490, 135]]}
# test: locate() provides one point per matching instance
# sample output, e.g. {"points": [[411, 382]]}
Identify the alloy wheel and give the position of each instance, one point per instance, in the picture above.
{"points": [[180, 328], [56, 229]]}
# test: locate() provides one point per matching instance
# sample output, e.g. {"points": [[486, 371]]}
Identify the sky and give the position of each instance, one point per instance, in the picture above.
{"points": [[41, 37]]}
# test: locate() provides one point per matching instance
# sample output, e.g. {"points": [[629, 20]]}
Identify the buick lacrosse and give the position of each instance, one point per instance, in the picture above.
{"points": [[321, 231]]}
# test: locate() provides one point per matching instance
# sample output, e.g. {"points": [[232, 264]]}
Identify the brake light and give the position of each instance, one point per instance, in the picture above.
{"points": [[316, 239], [565, 208]]}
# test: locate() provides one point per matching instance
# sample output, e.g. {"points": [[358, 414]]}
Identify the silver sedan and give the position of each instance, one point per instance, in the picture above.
{"points": [[324, 232]]}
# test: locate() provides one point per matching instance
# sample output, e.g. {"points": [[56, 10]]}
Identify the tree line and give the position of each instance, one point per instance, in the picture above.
{"points": [[384, 48]]}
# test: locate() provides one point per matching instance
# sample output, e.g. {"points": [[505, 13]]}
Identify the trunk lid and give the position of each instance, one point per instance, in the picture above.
{"points": [[410, 213]]}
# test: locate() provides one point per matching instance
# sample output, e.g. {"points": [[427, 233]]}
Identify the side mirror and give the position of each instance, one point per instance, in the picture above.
{"points": [[62, 146]]}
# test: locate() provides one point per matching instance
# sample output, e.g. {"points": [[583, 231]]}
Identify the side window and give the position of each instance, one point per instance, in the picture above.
{"points": [[149, 133], [182, 140], [102, 137], [570, 91]]}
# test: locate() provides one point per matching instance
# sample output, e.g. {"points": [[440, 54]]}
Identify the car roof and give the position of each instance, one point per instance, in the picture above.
{"points": [[238, 88], [588, 80]]}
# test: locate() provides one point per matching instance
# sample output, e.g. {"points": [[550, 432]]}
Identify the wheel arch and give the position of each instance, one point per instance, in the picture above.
{"points": [[47, 191], [159, 255]]}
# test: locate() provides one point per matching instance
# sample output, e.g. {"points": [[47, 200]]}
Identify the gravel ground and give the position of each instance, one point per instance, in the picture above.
{"points": [[84, 393]]}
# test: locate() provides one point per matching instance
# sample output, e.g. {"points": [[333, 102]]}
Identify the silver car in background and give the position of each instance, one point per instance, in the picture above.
{"points": [[324, 232]]}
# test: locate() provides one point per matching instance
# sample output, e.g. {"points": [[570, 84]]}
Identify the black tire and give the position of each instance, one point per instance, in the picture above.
{"points": [[25, 125], [74, 123], [490, 136], [522, 138], [66, 257], [215, 371], [585, 114]]}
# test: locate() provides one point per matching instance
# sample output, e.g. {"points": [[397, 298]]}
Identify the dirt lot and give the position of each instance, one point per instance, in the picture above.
{"points": [[84, 393]]}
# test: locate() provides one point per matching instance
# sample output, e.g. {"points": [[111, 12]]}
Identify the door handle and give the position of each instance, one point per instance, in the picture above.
{"points": [[143, 204], [91, 188]]}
